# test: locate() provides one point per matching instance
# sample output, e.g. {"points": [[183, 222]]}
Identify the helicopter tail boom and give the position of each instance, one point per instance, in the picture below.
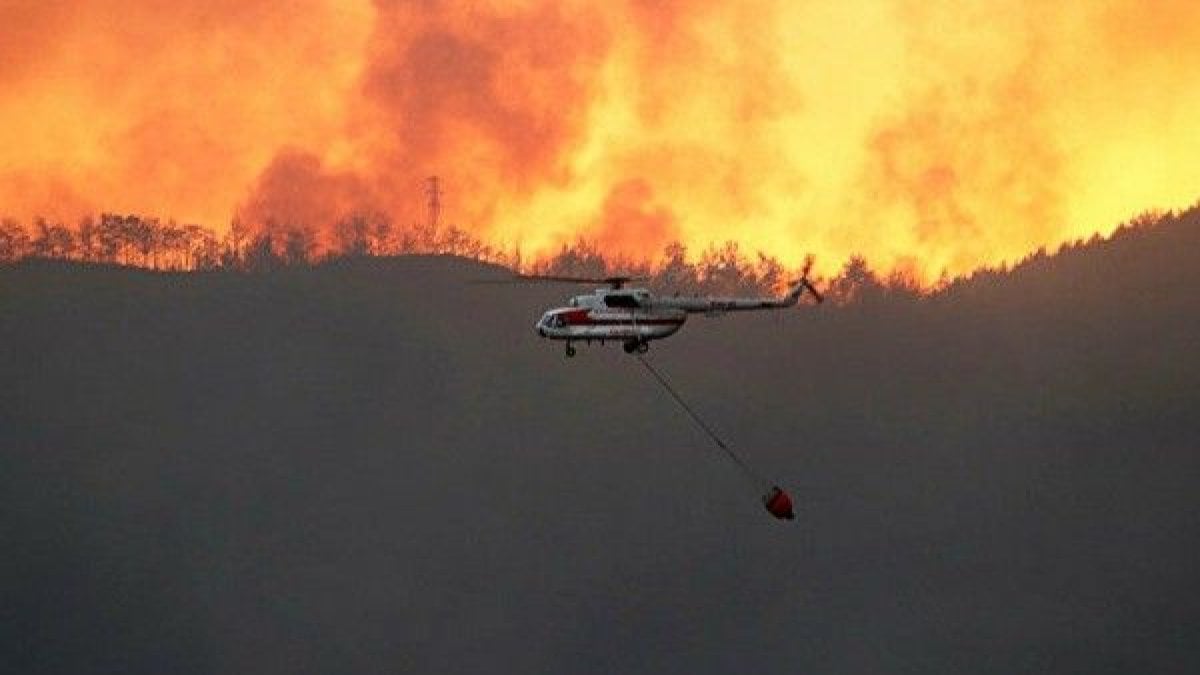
{"points": [[719, 305]]}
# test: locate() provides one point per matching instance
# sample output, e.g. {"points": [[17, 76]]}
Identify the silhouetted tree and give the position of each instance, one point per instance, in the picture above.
{"points": [[420, 238], [904, 280], [581, 259], [381, 236], [144, 234], [86, 236], [259, 255], [203, 250], [51, 240], [457, 241], [299, 245], [722, 269], [856, 283], [769, 274], [352, 236], [109, 238], [172, 250], [675, 273], [14, 241], [234, 244]]}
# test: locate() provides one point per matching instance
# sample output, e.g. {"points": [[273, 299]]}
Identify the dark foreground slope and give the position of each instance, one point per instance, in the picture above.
{"points": [[375, 467]]}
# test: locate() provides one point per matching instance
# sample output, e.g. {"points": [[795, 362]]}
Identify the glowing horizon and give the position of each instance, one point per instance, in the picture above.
{"points": [[927, 136]]}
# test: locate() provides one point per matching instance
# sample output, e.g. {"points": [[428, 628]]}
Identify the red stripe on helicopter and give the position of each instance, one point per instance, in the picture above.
{"points": [[579, 317]]}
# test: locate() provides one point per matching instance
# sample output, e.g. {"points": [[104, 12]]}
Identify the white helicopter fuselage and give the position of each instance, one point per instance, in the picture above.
{"points": [[611, 315]]}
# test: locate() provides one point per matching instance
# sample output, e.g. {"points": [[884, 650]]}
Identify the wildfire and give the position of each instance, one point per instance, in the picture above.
{"points": [[928, 136]]}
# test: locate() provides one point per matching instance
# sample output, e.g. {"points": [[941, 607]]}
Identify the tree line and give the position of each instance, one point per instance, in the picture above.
{"points": [[118, 239], [151, 243]]}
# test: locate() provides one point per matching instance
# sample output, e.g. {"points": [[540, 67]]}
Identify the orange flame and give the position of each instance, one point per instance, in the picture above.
{"points": [[926, 135]]}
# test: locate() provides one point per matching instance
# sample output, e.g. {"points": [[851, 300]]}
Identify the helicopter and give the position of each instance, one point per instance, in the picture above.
{"points": [[635, 316]]}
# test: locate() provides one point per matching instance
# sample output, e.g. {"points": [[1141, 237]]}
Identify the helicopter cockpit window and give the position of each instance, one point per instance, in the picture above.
{"points": [[620, 300]]}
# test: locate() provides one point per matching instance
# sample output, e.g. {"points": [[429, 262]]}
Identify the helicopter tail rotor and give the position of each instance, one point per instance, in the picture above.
{"points": [[803, 284]]}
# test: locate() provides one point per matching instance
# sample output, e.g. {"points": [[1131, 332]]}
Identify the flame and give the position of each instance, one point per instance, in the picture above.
{"points": [[930, 136]]}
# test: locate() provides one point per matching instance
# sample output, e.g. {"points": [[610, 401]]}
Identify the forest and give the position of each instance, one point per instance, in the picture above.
{"points": [[367, 464], [151, 243]]}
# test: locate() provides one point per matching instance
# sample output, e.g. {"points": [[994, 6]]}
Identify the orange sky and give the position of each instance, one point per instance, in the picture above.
{"points": [[937, 135]]}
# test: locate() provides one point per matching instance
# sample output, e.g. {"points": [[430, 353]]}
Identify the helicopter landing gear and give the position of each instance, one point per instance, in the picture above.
{"points": [[570, 350], [636, 346]]}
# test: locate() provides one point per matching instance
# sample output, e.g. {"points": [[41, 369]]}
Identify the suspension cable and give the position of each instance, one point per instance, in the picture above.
{"points": [[753, 476]]}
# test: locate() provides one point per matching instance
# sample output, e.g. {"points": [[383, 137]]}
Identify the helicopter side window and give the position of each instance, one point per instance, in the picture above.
{"points": [[621, 300]]}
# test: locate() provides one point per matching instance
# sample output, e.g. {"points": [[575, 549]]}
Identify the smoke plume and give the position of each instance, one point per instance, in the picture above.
{"points": [[948, 133]]}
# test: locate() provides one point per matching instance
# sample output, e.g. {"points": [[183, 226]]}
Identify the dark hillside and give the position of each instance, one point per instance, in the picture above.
{"points": [[374, 466]]}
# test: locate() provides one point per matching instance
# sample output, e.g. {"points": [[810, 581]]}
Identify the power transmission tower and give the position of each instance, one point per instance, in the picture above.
{"points": [[434, 192]]}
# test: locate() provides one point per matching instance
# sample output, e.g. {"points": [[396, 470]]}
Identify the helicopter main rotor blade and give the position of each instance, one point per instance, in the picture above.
{"points": [[614, 281]]}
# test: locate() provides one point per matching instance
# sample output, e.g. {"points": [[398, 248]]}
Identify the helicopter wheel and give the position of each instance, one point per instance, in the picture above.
{"points": [[643, 347], [630, 347], [570, 350]]}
